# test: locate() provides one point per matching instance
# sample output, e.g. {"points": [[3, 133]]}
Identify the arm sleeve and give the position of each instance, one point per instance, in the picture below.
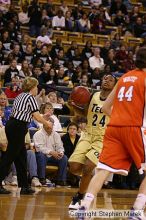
{"points": [[33, 104], [58, 142]]}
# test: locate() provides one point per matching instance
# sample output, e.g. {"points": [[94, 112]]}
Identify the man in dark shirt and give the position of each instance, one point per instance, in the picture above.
{"points": [[117, 5], [34, 12]]}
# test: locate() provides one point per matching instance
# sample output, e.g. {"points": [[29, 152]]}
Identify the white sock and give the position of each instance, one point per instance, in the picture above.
{"points": [[140, 202], [87, 201], [89, 197]]}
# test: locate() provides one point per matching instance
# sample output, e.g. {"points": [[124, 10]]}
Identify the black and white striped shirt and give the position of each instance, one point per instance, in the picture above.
{"points": [[24, 105]]}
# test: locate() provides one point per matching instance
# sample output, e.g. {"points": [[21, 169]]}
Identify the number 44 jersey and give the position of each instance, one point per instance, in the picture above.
{"points": [[129, 102], [96, 119]]}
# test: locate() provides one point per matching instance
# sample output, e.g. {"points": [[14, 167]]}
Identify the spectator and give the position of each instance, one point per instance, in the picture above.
{"points": [[116, 42], [93, 14], [83, 24], [48, 111], [96, 61], [11, 13], [23, 16], [121, 55], [28, 54], [11, 72], [71, 51], [50, 8], [25, 40], [9, 59], [99, 24], [138, 27], [45, 74], [84, 80], [34, 13], [44, 38], [13, 29], [17, 53], [117, 5], [44, 55], [129, 63], [49, 150], [77, 75], [61, 57], [111, 61], [70, 139], [48, 26], [45, 17], [105, 49], [134, 14], [61, 77], [52, 98], [77, 57], [119, 19], [25, 71], [86, 67], [36, 73], [128, 27], [37, 49], [87, 51], [96, 78], [63, 7], [58, 21], [69, 24], [52, 77], [5, 38], [56, 48], [70, 69], [55, 64], [4, 104], [77, 11], [12, 91]]}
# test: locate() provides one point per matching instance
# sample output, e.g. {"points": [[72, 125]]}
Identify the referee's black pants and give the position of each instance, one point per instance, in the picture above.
{"points": [[16, 151]]}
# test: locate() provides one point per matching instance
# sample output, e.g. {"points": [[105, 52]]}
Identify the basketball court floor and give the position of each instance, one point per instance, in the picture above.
{"points": [[52, 203]]}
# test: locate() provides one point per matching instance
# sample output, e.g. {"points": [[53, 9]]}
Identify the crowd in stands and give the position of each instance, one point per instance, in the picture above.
{"points": [[38, 54]]}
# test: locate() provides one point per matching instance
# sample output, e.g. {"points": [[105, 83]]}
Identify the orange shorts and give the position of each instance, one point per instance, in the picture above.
{"points": [[121, 147]]}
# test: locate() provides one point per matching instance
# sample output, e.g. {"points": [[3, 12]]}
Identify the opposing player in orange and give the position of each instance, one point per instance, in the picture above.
{"points": [[125, 137]]}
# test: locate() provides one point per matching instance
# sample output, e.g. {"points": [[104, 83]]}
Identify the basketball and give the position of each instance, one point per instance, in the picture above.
{"points": [[80, 95]]}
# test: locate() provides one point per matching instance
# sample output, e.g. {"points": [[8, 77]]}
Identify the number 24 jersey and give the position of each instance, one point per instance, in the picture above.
{"points": [[96, 119]]}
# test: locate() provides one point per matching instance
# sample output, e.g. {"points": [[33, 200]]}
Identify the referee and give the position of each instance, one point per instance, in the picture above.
{"points": [[24, 108]]}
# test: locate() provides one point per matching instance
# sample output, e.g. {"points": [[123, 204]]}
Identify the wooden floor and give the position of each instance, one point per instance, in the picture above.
{"points": [[52, 203]]}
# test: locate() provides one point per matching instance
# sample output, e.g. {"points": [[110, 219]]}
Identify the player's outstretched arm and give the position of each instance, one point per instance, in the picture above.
{"points": [[107, 106]]}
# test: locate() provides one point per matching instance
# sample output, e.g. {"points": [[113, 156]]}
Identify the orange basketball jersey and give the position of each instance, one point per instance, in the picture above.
{"points": [[129, 103]]}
